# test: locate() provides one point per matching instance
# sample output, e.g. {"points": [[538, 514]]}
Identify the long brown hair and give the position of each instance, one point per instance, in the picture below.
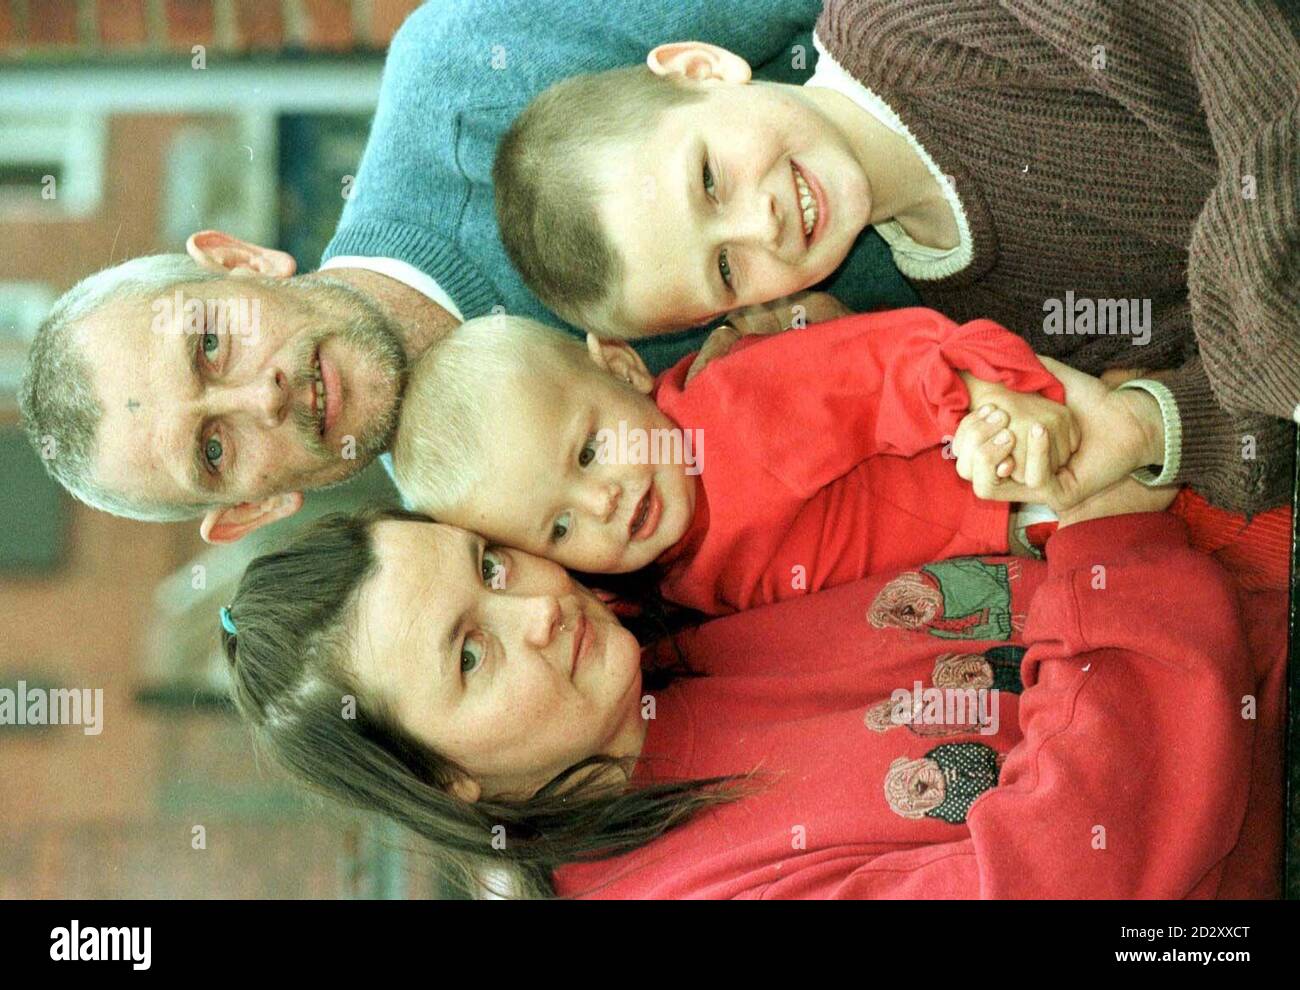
{"points": [[293, 610]]}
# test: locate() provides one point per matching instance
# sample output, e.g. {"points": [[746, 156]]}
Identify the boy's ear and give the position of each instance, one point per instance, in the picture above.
{"points": [[221, 252], [698, 60], [234, 522], [619, 359]]}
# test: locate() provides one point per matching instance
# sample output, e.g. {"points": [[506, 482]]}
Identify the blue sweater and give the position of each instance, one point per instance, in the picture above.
{"points": [[457, 74]]}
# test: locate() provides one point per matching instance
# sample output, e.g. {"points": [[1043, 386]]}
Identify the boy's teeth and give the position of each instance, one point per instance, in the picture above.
{"points": [[807, 203]]}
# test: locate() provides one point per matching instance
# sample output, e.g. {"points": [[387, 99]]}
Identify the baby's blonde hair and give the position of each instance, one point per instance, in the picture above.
{"points": [[438, 456]]}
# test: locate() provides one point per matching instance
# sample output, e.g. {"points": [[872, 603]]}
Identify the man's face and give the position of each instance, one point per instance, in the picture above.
{"points": [[708, 214], [240, 388], [556, 482]]}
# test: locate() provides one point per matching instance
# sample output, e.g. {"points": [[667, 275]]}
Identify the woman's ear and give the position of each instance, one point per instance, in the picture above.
{"points": [[221, 252], [698, 60], [467, 789], [617, 358]]}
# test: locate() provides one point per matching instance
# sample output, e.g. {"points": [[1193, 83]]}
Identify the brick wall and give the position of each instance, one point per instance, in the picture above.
{"points": [[115, 28]]}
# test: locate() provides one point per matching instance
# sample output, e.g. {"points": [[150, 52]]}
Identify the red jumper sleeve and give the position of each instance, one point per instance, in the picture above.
{"points": [[879, 383]]}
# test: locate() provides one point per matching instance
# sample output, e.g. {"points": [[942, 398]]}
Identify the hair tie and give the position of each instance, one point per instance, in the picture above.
{"points": [[227, 623]]}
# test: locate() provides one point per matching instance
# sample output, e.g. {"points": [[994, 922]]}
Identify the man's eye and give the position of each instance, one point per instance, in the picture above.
{"points": [[562, 527], [471, 655], [211, 345], [724, 268], [588, 452], [708, 180], [212, 451], [493, 570]]}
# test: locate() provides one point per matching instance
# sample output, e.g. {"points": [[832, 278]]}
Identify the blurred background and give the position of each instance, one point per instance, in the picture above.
{"points": [[125, 125]]}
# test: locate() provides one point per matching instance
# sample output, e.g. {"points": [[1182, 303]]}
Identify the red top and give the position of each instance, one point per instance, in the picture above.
{"points": [[823, 455], [1133, 767]]}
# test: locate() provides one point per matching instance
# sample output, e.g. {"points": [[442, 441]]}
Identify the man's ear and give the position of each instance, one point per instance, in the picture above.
{"points": [[698, 60], [220, 252], [616, 357], [234, 522]]}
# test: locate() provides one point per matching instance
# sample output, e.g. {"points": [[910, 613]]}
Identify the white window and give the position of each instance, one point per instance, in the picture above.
{"points": [[22, 307], [52, 164]]}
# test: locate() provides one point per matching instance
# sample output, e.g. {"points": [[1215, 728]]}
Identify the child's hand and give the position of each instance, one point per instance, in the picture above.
{"points": [[779, 315], [1013, 415], [802, 309], [716, 345]]}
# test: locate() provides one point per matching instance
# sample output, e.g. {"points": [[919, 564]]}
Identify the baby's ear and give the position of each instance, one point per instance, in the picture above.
{"points": [[617, 358]]}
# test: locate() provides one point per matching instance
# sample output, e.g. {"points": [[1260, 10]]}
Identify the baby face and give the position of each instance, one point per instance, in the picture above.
{"points": [[553, 485], [747, 196]]}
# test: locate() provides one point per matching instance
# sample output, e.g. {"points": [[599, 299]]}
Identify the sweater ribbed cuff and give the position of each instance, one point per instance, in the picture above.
{"points": [[1214, 457], [1173, 428]]}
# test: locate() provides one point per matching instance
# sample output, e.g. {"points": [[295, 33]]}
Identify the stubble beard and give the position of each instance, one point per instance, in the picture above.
{"points": [[367, 332]]}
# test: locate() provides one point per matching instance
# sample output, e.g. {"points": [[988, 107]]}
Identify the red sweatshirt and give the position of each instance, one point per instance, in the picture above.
{"points": [[823, 455], [1132, 765]]}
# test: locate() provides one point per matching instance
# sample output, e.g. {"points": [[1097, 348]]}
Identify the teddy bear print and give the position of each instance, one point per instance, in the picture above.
{"points": [[963, 598], [944, 783], [997, 669]]}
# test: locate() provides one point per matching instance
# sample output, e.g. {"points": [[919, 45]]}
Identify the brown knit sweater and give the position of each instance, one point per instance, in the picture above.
{"points": [[1128, 181]]}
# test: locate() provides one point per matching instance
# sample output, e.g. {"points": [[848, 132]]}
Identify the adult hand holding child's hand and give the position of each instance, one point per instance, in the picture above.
{"points": [[1119, 432], [802, 308], [1018, 412]]}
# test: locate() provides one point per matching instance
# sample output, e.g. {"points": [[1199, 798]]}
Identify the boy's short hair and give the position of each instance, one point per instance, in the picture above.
{"points": [[546, 195], [438, 455]]}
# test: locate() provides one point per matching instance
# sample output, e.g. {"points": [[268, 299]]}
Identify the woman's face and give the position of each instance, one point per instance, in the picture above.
{"points": [[496, 659]]}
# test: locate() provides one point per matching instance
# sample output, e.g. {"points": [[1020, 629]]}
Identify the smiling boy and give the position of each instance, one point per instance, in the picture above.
{"points": [[790, 162]]}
